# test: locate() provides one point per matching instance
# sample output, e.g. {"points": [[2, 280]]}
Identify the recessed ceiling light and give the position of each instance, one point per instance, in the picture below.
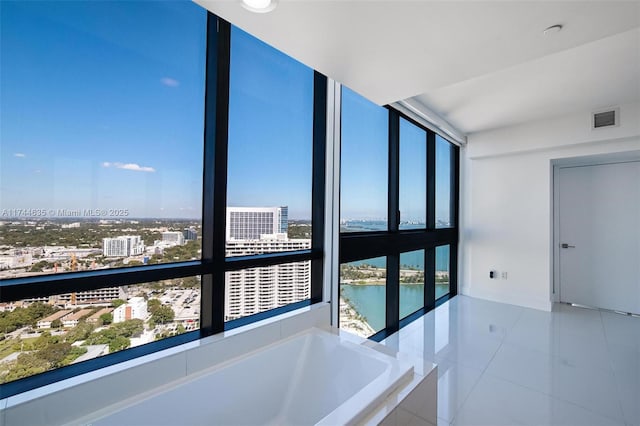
{"points": [[553, 29], [259, 6]]}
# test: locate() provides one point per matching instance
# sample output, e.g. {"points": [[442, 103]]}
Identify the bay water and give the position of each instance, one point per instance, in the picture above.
{"points": [[369, 300]]}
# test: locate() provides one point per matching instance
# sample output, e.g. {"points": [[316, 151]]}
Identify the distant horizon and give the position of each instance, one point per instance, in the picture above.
{"points": [[97, 219]]}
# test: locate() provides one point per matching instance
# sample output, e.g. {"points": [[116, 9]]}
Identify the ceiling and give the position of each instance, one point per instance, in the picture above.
{"points": [[479, 65]]}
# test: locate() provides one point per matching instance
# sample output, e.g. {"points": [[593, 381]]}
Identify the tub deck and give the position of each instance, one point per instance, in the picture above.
{"points": [[310, 378]]}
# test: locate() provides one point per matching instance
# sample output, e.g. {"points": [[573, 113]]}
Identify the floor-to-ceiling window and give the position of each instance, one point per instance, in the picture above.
{"points": [[162, 179], [398, 220], [269, 176]]}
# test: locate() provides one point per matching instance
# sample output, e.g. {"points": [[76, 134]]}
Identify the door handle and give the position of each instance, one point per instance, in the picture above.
{"points": [[565, 245]]}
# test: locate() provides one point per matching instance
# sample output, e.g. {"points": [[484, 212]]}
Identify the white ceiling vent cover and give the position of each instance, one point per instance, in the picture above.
{"points": [[605, 118]]}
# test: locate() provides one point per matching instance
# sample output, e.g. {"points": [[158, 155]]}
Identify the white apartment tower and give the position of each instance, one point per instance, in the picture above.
{"points": [[249, 223], [123, 246], [250, 291], [252, 230], [173, 237]]}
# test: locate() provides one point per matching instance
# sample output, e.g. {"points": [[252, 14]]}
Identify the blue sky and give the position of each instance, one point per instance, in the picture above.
{"points": [[413, 172], [270, 128], [102, 108], [364, 168], [443, 178], [364, 158]]}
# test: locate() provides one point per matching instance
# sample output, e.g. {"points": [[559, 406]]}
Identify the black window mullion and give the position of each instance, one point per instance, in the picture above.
{"points": [[15, 289], [269, 259], [220, 56], [318, 183], [206, 295], [429, 279], [455, 218], [392, 293], [361, 246], [239, 322], [393, 210], [455, 186], [209, 137], [453, 270], [431, 180], [392, 303]]}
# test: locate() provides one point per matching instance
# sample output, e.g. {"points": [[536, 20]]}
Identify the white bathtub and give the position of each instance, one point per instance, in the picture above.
{"points": [[311, 378]]}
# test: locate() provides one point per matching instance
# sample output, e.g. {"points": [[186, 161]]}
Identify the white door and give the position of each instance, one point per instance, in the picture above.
{"points": [[599, 233]]}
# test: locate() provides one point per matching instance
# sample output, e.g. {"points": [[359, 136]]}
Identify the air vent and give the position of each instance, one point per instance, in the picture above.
{"points": [[605, 118]]}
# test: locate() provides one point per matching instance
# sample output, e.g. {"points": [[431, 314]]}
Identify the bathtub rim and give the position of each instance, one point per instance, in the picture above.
{"points": [[282, 325], [351, 411]]}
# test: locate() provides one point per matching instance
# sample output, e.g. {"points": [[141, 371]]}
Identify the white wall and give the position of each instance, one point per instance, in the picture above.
{"points": [[506, 200]]}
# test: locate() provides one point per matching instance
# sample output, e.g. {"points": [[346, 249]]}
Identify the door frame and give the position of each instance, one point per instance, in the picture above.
{"points": [[562, 163]]}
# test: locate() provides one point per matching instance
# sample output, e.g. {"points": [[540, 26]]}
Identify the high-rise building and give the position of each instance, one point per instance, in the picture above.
{"points": [[254, 290], [190, 234], [173, 237], [122, 246], [249, 223], [253, 230]]}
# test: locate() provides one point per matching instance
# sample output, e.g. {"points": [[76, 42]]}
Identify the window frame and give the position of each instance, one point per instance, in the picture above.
{"points": [[391, 243], [213, 264]]}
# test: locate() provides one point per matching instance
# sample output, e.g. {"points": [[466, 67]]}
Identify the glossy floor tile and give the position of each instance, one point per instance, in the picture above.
{"points": [[589, 388], [499, 402], [500, 364], [455, 383]]}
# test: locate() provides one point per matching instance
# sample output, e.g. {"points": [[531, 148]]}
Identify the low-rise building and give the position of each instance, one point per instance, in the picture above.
{"points": [[91, 297], [17, 259], [46, 322], [9, 306], [73, 319], [135, 308], [96, 317]]}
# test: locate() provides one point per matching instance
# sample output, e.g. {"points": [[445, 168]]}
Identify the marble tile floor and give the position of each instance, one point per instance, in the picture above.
{"points": [[500, 364]]}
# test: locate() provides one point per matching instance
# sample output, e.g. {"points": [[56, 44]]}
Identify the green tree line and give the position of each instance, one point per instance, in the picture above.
{"points": [[21, 317]]}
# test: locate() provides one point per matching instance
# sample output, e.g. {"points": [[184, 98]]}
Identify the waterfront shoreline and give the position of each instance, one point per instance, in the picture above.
{"points": [[351, 321]]}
